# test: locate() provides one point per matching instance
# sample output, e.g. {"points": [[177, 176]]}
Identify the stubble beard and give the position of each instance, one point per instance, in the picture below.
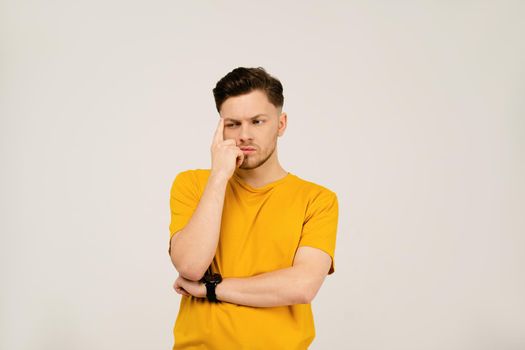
{"points": [[245, 165]]}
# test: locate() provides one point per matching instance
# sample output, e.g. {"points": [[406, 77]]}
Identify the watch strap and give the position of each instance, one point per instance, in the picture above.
{"points": [[210, 291], [211, 280]]}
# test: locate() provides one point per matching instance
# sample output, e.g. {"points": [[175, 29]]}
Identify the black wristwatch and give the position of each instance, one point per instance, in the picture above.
{"points": [[211, 281]]}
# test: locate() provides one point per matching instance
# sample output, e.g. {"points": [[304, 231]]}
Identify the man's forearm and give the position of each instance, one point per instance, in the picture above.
{"points": [[193, 248], [281, 287]]}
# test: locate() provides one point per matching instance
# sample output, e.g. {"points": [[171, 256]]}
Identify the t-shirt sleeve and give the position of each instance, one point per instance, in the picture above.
{"points": [[320, 225], [184, 198]]}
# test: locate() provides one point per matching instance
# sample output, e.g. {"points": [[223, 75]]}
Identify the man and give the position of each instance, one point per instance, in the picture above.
{"points": [[251, 241]]}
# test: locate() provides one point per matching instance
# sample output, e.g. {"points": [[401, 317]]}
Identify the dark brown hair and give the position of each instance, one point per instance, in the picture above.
{"points": [[244, 80]]}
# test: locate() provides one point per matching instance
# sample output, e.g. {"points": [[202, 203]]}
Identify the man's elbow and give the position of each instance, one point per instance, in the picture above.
{"points": [[309, 292], [307, 297], [190, 272], [187, 270]]}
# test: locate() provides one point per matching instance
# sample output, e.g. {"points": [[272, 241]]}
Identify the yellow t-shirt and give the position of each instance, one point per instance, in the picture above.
{"points": [[261, 229]]}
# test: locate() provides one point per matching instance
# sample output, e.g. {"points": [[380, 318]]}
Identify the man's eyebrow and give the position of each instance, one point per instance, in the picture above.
{"points": [[254, 117]]}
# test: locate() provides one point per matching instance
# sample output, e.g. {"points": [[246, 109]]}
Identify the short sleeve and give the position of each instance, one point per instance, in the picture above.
{"points": [[320, 225], [184, 198]]}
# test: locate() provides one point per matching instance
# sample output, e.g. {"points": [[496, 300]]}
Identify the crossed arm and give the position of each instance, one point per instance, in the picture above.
{"points": [[297, 284]]}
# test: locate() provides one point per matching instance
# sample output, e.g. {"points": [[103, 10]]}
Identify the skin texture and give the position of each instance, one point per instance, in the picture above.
{"points": [[195, 245]]}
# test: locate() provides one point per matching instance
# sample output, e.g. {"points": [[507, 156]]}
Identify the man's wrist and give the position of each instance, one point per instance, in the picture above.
{"points": [[218, 178], [208, 284], [202, 290]]}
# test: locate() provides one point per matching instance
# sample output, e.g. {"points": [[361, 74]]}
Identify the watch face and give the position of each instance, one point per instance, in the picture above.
{"points": [[215, 278]]}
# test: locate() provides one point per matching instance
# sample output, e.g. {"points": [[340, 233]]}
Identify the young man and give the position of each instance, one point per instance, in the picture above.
{"points": [[252, 242]]}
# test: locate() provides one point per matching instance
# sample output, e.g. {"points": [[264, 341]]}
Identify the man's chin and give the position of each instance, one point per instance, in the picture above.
{"points": [[247, 166]]}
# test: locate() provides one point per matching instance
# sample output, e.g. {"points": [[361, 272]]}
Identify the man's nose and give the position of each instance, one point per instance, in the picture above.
{"points": [[245, 133]]}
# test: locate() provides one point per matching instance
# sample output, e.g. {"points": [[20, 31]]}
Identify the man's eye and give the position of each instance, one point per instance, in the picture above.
{"points": [[233, 125]]}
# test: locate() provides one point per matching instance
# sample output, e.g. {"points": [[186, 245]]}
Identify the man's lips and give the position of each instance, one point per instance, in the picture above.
{"points": [[248, 150]]}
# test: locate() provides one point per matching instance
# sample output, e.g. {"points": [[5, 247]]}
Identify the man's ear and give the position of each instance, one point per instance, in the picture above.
{"points": [[283, 120]]}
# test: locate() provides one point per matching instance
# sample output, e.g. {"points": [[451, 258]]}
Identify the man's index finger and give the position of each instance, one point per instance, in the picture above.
{"points": [[219, 136]]}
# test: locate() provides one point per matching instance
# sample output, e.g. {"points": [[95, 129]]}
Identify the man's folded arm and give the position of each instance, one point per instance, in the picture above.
{"points": [[297, 284], [193, 247]]}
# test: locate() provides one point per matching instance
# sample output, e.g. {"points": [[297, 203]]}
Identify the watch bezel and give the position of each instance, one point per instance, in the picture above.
{"points": [[215, 278]]}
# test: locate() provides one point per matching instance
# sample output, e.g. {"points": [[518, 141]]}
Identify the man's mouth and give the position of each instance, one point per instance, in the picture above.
{"points": [[248, 150]]}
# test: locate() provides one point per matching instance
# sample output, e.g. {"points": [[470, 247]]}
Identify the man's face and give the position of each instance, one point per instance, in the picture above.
{"points": [[252, 121]]}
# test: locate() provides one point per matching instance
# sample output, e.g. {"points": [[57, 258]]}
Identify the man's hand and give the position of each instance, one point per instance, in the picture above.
{"points": [[226, 156], [187, 287]]}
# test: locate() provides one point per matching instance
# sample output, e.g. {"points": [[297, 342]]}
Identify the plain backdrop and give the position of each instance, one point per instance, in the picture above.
{"points": [[411, 111]]}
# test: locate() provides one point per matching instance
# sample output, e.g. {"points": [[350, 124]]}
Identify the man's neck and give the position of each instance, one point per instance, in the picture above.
{"points": [[259, 177]]}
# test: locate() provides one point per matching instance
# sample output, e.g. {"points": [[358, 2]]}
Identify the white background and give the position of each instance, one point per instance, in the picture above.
{"points": [[411, 111]]}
